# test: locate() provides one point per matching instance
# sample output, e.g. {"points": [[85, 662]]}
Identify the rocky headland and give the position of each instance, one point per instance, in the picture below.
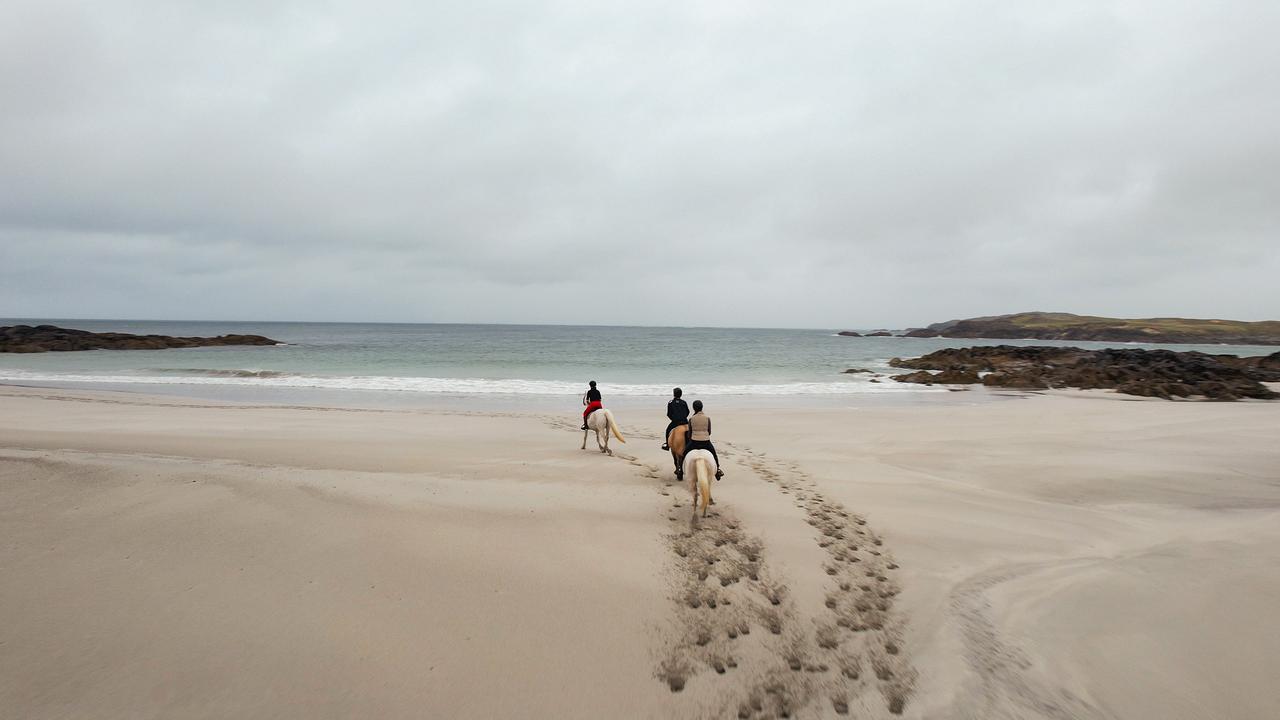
{"points": [[1066, 326], [50, 338], [1148, 373]]}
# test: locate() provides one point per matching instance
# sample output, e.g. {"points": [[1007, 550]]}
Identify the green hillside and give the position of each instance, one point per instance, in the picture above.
{"points": [[1066, 326]]}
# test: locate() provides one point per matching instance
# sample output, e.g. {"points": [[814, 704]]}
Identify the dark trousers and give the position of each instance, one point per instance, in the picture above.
{"points": [[702, 445]]}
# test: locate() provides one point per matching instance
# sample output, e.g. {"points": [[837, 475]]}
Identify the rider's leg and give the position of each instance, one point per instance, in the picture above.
{"points": [[667, 435], [594, 406], [712, 448]]}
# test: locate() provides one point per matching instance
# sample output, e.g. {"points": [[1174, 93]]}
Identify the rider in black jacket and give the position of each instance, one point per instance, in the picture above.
{"points": [[677, 413]]}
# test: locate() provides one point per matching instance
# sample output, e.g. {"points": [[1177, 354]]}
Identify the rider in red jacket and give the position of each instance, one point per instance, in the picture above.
{"points": [[592, 401]]}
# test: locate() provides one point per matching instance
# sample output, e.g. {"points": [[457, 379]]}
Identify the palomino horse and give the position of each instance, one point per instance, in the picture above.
{"points": [[702, 464], [602, 422], [675, 441]]}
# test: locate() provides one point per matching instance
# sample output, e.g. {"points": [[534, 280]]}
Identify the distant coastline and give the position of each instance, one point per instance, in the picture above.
{"points": [[51, 338], [1066, 326]]}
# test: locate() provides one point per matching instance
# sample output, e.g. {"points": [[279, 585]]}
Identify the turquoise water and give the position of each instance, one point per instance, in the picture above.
{"points": [[497, 360]]}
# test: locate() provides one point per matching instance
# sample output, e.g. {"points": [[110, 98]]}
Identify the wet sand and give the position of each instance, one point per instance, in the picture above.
{"points": [[1073, 555]]}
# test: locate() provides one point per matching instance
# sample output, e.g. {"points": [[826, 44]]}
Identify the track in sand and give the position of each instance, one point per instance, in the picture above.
{"points": [[739, 645], [1006, 686]]}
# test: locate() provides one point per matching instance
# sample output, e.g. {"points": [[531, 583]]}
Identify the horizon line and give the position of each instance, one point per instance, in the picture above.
{"points": [[509, 324]]}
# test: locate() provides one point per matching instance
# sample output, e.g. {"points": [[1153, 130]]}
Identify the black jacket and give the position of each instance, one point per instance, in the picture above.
{"points": [[678, 411]]}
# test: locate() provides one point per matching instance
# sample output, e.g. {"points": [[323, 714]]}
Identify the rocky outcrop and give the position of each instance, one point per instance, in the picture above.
{"points": [[946, 377], [921, 333], [50, 338], [849, 333], [880, 333], [957, 376], [1149, 373], [1066, 326], [924, 377]]}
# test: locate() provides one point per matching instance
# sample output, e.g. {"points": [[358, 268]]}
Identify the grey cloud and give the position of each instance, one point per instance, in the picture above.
{"points": [[819, 164]]}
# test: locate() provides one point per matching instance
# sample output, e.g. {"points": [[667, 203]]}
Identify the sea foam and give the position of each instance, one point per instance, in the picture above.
{"points": [[446, 385]]}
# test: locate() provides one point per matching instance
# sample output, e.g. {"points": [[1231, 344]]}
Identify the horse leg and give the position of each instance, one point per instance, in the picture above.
{"points": [[584, 439]]}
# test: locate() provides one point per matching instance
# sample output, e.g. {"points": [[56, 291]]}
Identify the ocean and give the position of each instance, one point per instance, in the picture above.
{"points": [[426, 364]]}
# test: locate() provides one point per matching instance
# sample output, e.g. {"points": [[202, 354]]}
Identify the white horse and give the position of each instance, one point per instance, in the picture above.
{"points": [[602, 422], [701, 466]]}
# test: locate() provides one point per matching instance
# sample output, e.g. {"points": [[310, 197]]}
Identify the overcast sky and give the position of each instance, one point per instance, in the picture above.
{"points": [[833, 164]]}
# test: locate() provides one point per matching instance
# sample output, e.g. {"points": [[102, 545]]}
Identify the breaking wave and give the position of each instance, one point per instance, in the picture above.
{"points": [[445, 385], [210, 372]]}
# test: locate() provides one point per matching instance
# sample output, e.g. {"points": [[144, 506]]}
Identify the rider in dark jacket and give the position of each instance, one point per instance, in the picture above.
{"points": [[677, 413]]}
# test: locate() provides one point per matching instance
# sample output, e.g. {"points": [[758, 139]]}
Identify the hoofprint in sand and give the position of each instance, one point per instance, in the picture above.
{"points": [[166, 557], [738, 644], [846, 654]]}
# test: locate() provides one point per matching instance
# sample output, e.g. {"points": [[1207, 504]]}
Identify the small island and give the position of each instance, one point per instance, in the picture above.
{"points": [[1066, 326], [877, 333], [50, 338]]}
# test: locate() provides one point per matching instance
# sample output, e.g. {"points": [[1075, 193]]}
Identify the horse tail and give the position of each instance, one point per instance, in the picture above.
{"points": [[704, 483], [608, 416]]}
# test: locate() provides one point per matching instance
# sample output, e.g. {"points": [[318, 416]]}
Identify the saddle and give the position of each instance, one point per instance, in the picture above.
{"points": [[666, 441]]}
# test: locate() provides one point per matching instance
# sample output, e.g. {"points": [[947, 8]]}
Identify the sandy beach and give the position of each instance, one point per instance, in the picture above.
{"points": [[1063, 555]]}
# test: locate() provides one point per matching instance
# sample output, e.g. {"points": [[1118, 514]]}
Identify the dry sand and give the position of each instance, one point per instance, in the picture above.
{"points": [[1062, 556]]}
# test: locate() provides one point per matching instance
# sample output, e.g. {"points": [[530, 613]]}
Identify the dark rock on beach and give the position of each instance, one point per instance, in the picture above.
{"points": [[857, 370], [1146, 373], [50, 338], [923, 377], [849, 333], [946, 377], [957, 376]]}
